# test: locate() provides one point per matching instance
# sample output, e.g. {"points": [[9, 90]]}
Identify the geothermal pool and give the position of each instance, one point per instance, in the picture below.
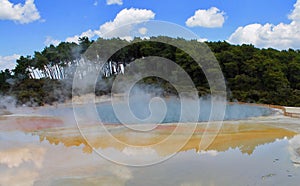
{"points": [[43, 147], [140, 108]]}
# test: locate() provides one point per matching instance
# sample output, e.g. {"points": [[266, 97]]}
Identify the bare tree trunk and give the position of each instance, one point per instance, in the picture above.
{"points": [[50, 72]]}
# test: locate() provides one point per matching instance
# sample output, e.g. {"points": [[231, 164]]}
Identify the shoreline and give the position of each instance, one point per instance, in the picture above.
{"points": [[276, 120], [292, 112]]}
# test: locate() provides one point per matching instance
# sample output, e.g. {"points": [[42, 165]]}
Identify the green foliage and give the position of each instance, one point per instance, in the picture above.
{"points": [[252, 75], [5, 78], [259, 75], [37, 92], [22, 68]]}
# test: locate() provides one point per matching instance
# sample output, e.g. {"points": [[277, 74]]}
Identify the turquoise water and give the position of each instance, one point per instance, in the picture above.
{"points": [[141, 110]]}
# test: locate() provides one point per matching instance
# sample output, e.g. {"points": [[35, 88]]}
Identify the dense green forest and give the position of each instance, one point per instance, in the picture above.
{"points": [[252, 74]]}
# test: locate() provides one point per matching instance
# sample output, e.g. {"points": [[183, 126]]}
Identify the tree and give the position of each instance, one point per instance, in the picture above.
{"points": [[5, 77], [22, 69]]}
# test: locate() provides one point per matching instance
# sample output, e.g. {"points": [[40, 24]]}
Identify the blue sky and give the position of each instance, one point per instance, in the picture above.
{"points": [[27, 25]]}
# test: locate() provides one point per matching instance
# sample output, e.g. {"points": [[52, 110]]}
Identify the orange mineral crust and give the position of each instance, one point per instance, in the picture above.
{"points": [[28, 123], [245, 137]]}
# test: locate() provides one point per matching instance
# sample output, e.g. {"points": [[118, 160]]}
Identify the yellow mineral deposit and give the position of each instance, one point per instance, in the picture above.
{"points": [[243, 136]]}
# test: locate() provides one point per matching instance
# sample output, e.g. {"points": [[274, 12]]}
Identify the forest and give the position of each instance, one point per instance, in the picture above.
{"points": [[252, 74]]}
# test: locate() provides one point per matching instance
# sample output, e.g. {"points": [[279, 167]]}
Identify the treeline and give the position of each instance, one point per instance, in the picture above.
{"points": [[45, 77], [260, 75], [251, 74]]}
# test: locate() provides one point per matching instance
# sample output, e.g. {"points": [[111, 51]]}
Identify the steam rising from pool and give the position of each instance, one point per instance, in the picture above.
{"points": [[139, 106], [140, 109]]}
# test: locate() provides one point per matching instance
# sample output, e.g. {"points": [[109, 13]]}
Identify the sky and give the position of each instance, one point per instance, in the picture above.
{"points": [[31, 25]]}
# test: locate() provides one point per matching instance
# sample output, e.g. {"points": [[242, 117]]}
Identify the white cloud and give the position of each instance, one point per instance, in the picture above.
{"points": [[295, 15], [120, 171], [143, 31], [210, 18], [202, 40], [75, 38], [126, 19], [114, 2], [95, 3], [294, 145], [135, 151], [281, 36], [210, 152], [19, 13], [22, 177], [8, 62], [50, 41], [16, 157]]}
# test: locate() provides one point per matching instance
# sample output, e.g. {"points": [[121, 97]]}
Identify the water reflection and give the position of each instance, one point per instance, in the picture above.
{"points": [[24, 160], [245, 137], [242, 154], [268, 165], [294, 149]]}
